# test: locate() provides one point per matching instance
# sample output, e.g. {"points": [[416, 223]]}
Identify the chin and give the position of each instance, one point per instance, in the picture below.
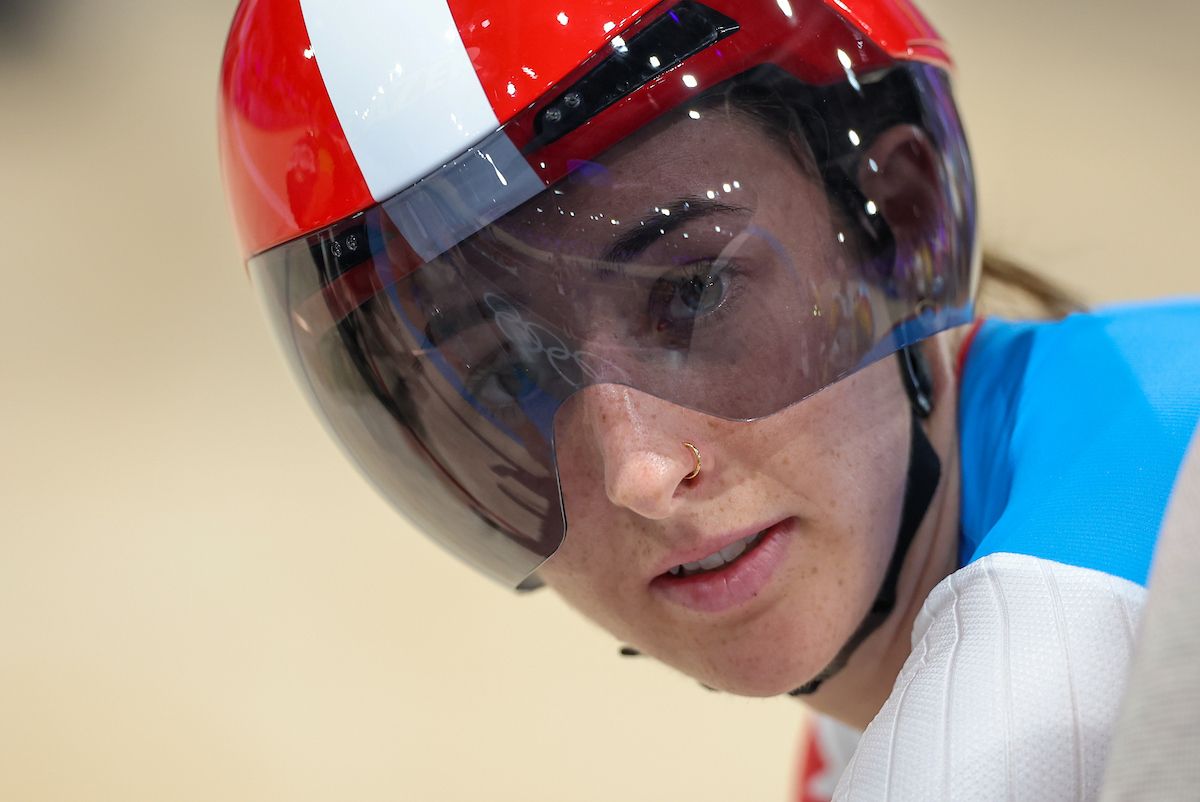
{"points": [[748, 674], [757, 690]]}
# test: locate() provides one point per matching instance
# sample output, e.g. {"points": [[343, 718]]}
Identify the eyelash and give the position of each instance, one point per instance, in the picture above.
{"points": [[733, 272]]}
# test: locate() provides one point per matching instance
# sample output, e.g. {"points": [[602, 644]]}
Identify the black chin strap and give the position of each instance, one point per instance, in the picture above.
{"points": [[924, 473]]}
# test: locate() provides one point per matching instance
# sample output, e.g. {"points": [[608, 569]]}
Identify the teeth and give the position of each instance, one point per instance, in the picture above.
{"points": [[730, 552], [717, 559]]}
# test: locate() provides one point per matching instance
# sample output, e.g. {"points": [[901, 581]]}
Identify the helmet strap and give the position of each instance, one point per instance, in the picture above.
{"points": [[914, 370]]}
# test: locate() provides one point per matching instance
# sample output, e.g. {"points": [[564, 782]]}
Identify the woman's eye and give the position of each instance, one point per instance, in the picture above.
{"points": [[690, 297], [699, 295]]}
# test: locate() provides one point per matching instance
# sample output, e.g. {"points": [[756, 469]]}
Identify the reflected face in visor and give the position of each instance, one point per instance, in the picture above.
{"points": [[741, 275]]}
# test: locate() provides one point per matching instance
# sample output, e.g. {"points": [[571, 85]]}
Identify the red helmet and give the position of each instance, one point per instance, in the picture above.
{"points": [[459, 213]]}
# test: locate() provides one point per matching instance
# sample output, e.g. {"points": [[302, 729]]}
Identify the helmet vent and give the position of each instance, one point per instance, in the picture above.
{"points": [[682, 32]]}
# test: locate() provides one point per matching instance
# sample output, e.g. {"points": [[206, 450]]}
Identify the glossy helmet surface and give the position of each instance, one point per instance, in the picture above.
{"points": [[394, 169]]}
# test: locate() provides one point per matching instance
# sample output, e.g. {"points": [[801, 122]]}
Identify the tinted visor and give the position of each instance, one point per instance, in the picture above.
{"points": [[733, 256]]}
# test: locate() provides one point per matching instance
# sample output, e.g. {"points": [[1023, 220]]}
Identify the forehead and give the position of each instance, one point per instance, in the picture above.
{"points": [[687, 146], [710, 154]]}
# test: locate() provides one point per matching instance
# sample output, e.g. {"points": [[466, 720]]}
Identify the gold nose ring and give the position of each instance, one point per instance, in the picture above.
{"points": [[696, 454]]}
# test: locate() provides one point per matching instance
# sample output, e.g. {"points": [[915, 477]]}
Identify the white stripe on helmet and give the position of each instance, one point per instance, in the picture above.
{"points": [[401, 83]]}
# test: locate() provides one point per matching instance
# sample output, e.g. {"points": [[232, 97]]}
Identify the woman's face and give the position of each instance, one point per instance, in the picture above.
{"points": [[817, 488]]}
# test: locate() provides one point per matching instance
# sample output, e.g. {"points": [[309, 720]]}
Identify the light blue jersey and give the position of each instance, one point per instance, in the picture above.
{"points": [[1072, 433]]}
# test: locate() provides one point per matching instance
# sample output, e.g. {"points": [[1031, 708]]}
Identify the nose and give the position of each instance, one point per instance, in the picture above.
{"points": [[645, 463]]}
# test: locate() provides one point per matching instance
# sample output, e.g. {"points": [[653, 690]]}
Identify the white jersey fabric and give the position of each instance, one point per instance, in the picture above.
{"points": [[1011, 690]]}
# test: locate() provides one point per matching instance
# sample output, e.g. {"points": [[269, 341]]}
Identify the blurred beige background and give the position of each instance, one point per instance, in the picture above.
{"points": [[200, 600]]}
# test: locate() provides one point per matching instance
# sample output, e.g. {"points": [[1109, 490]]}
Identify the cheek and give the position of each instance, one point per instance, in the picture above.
{"points": [[581, 480], [586, 574], [847, 475], [586, 571], [851, 470]]}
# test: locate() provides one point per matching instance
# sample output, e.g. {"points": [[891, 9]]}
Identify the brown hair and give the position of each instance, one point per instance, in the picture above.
{"points": [[1008, 288]]}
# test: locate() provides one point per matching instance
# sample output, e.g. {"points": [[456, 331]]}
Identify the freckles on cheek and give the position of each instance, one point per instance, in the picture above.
{"points": [[581, 563]]}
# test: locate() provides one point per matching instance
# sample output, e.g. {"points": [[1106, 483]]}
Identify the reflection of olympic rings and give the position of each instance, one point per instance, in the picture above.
{"points": [[533, 338]]}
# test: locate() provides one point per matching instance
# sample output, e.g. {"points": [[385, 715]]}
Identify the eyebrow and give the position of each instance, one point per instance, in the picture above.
{"points": [[663, 221], [628, 244]]}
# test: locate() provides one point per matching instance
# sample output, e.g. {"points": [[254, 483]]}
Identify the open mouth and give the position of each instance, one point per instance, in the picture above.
{"points": [[731, 576], [718, 559]]}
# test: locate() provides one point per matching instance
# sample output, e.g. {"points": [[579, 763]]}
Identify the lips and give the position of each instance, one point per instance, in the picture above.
{"points": [[733, 579], [718, 559]]}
